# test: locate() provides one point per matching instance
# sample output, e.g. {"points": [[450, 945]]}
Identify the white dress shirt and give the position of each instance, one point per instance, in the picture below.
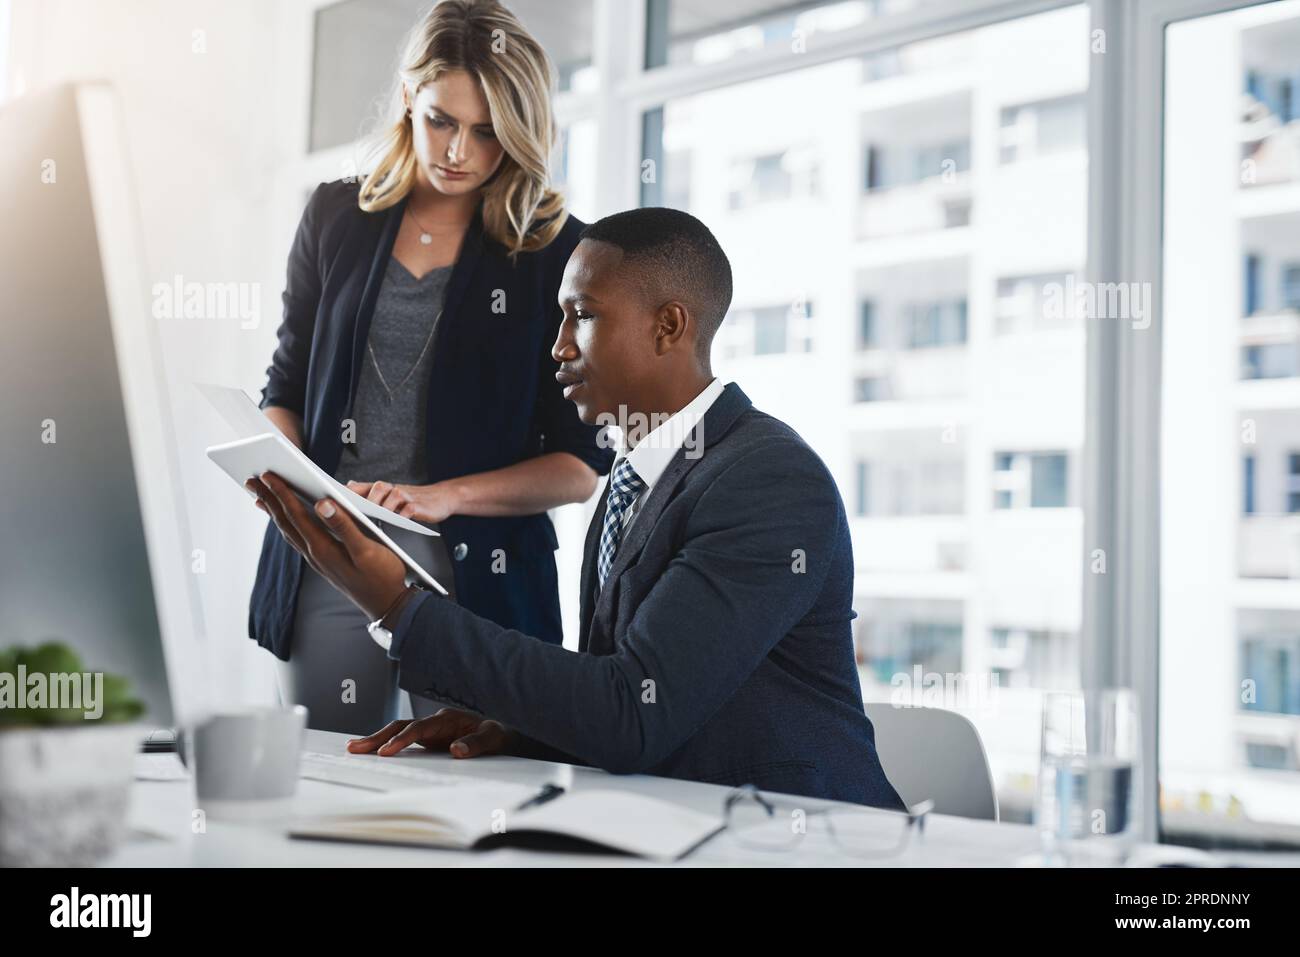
{"points": [[656, 449]]}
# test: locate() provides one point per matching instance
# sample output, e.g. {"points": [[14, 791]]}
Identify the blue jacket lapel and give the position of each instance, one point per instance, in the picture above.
{"points": [[378, 241], [471, 250], [717, 421]]}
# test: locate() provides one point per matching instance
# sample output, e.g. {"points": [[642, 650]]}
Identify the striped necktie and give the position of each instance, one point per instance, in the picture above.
{"points": [[624, 486]]}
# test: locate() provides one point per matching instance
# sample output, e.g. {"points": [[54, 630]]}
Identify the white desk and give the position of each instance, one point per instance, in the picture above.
{"points": [[164, 808]]}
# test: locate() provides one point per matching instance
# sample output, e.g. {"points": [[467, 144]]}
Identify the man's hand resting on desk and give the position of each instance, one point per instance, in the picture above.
{"points": [[463, 733], [374, 578], [335, 547]]}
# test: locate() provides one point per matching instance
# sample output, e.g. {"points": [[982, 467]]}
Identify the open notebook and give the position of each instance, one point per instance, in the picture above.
{"points": [[485, 816]]}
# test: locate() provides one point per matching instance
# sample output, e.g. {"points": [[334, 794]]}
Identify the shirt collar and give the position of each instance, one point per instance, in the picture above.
{"points": [[653, 453]]}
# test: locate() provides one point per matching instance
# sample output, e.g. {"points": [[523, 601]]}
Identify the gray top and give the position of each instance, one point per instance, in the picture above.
{"points": [[390, 407]]}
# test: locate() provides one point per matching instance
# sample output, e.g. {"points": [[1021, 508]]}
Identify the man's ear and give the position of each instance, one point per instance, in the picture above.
{"points": [[674, 324]]}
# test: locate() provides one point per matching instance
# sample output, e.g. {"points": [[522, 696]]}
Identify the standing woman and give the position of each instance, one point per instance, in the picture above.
{"points": [[414, 359]]}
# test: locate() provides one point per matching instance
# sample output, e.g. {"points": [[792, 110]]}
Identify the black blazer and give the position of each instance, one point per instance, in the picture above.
{"points": [[720, 648], [492, 401]]}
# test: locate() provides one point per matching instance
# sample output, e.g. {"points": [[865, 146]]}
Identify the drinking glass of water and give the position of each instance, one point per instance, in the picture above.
{"points": [[1087, 778]]}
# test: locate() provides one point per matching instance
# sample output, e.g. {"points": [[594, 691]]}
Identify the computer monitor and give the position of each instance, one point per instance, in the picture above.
{"points": [[93, 534]]}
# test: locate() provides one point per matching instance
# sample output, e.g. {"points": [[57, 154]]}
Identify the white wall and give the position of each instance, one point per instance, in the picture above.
{"points": [[204, 115]]}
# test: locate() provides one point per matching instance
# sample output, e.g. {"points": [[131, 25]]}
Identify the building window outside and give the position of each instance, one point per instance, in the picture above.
{"points": [[933, 324], [1030, 480], [1052, 126]]}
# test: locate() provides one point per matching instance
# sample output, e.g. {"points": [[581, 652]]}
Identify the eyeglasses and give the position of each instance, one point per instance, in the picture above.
{"points": [[757, 821]]}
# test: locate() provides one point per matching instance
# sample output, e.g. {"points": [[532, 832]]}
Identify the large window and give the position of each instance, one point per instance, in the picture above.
{"points": [[1230, 536], [953, 443], [687, 31]]}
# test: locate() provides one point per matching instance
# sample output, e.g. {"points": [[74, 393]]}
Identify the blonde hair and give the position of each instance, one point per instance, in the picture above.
{"points": [[520, 209]]}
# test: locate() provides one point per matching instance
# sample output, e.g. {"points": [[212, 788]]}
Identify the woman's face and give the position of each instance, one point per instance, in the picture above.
{"points": [[452, 130]]}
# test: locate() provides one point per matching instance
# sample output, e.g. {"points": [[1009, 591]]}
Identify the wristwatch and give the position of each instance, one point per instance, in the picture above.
{"points": [[382, 635]]}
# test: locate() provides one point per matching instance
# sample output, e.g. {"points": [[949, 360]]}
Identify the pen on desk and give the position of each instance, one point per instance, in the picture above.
{"points": [[548, 792]]}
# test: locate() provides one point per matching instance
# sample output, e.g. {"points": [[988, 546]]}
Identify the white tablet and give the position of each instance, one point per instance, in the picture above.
{"points": [[242, 414], [249, 458]]}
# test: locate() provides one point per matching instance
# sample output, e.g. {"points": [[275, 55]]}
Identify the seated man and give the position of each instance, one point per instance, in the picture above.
{"points": [[717, 579]]}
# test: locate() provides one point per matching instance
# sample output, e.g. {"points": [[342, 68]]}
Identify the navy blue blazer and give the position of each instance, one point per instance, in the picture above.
{"points": [[720, 648], [492, 401]]}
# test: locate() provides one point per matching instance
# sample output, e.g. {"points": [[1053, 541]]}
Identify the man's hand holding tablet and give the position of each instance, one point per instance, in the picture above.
{"points": [[273, 454], [336, 548]]}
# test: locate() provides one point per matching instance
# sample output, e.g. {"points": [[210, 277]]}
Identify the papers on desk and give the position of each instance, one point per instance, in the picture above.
{"points": [[485, 816]]}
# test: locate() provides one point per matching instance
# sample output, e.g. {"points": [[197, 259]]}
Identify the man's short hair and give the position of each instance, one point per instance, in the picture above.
{"points": [[669, 254]]}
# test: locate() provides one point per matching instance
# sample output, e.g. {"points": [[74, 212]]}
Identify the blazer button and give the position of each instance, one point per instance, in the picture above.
{"points": [[460, 551]]}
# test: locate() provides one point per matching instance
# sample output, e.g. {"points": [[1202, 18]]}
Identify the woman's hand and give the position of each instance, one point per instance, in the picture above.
{"points": [[463, 733], [424, 503]]}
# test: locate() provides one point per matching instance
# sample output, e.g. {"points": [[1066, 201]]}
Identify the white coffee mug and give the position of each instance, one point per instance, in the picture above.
{"points": [[245, 762]]}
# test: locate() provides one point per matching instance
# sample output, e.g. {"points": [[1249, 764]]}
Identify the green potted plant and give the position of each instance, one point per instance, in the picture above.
{"points": [[68, 740]]}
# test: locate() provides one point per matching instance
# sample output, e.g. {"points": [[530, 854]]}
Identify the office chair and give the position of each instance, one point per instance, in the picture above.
{"points": [[937, 755]]}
